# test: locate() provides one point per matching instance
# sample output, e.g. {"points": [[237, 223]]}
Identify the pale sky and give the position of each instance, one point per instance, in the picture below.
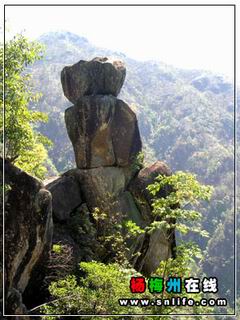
{"points": [[186, 37]]}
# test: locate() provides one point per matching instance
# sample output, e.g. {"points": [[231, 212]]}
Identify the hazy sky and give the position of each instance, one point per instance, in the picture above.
{"points": [[187, 37]]}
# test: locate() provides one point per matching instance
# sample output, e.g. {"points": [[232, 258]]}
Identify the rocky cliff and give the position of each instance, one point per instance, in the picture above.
{"points": [[28, 234]]}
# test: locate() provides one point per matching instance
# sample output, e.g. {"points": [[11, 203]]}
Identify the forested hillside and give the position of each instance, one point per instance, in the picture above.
{"points": [[185, 118]]}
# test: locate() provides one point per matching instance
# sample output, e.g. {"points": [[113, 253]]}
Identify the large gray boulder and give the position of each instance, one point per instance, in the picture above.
{"points": [[102, 186], [104, 132], [145, 177], [98, 76], [28, 232], [105, 137], [66, 196], [128, 207], [160, 244], [153, 248]]}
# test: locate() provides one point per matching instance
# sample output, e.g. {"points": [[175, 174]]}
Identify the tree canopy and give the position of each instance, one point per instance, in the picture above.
{"points": [[24, 145]]}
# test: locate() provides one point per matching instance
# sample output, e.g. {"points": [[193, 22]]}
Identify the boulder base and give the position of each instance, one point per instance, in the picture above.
{"points": [[102, 186]]}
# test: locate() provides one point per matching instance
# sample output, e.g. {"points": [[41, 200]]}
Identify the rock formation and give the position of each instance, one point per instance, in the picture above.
{"points": [[106, 141], [28, 233]]}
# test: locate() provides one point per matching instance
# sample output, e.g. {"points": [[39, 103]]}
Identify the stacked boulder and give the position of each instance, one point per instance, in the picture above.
{"points": [[106, 141], [102, 128]]}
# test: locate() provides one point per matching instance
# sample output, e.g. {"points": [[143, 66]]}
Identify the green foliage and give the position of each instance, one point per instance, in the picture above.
{"points": [[110, 237], [97, 293], [24, 146], [175, 210], [133, 230], [99, 215], [57, 248], [138, 162], [183, 266], [174, 213]]}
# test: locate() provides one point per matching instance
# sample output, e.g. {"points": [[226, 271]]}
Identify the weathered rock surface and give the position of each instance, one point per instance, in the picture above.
{"points": [[101, 186], [98, 76], [126, 137], [147, 176], [15, 305], [28, 230], [66, 196], [153, 249], [103, 131], [128, 207], [158, 245]]}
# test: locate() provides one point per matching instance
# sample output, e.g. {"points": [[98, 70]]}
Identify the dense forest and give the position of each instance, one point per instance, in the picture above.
{"points": [[186, 119]]}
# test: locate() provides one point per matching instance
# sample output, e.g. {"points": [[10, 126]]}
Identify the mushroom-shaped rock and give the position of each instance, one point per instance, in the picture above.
{"points": [[98, 76]]}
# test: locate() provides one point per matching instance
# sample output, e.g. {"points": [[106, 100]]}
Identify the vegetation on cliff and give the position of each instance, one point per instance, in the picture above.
{"points": [[24, 145]]}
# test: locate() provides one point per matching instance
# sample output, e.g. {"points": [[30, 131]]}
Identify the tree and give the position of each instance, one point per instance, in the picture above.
{"points": [[176, 213], [24, 146], [97, 293]]}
